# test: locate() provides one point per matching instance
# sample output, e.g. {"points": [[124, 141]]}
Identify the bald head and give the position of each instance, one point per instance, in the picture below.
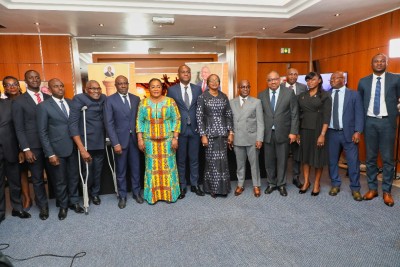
{"points": [[291, 76], [244, 88]]}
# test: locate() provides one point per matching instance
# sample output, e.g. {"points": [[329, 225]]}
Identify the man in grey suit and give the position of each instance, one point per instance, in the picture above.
{"points": [[281, 127], [248, 123], [298, 88], [58, 147], [380, 92]]}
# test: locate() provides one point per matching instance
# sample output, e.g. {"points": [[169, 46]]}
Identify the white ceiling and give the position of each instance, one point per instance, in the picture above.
{"points": [[128, 26]]}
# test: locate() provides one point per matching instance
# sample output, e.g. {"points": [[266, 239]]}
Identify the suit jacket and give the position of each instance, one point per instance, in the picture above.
{"points": [[120, 122], [200, 84], [248, 121], [95, 130], [53, 129], [392, 94], [8, 138], [300, 88], [175, 93], [24, 116], [353, 114], [285, 118]]}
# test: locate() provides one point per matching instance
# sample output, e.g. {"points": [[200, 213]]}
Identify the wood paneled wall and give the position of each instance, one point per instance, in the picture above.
{"points": [[352, 48], [19, 53]]}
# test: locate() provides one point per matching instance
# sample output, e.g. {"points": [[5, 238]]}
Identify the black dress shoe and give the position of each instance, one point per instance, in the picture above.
{"points": [[138, 198], [213, 195], [21, 214], [44, 213], [282, 191], [197, 190], [296, 182], [62, 214], [122, 203], [77, 208], [303, 191], [269, 189], [96, 200], [2, 219], [183, 194]]}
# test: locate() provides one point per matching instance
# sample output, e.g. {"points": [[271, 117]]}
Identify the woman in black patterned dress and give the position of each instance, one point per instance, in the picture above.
{"points": [[215, 122]]}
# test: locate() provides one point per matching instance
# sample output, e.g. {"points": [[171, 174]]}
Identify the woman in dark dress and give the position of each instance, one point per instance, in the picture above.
{"points": [[215, 122], [315, 113]]}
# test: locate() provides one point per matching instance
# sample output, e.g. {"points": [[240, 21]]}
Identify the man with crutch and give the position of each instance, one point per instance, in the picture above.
{"points": [[86, 123], [120, 111]]}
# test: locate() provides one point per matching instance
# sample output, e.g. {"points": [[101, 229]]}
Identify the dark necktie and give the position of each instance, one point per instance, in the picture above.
{"points": [[126, 103], [187, 102], [335, 114], [377, 99], [273, 101], [64, 110]]}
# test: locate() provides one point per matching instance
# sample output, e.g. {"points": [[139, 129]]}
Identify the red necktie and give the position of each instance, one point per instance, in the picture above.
{"points": [[203, 87], [38, 99]]}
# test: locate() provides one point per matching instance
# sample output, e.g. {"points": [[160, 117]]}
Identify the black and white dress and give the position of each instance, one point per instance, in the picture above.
{"points": [[214, 119]]}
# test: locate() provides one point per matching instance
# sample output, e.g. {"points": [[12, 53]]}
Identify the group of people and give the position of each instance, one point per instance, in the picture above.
{"points": [[51, 132]]}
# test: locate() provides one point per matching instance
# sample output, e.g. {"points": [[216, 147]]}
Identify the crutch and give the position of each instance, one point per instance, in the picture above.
{"points": [[84, 181], [112, 166]]}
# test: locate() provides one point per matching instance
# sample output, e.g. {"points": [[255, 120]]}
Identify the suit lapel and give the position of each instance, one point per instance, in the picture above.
{"points": [[57, 108], [346, 100], [280, 97], [368, 92], [387, 83]]}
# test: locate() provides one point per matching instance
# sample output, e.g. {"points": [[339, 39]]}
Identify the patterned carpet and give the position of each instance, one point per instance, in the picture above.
{"points": [[297, 230]]}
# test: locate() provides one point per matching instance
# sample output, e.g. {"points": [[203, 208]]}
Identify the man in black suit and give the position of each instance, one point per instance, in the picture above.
{"points": [[298, 88], [185, 95], [93, 154], [58, 147], [9, 159], [24, 115], [380, 92]]}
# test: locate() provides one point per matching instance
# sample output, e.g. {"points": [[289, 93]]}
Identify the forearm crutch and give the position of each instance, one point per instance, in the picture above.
{"points": [[84, 180], [111, 163]]}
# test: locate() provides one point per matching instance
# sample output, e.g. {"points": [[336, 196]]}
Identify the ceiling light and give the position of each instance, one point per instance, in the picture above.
{"points": [[37, 23], [264, 28], [192, 47], [160, 26], [101, 25], [337, 15], [214, 27], [163, 20]]}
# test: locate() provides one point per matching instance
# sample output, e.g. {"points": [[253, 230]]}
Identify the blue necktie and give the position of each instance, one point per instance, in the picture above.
{"points": [[336, 111], [273, 101], [377, 99], [64, 110], [126, 102]]}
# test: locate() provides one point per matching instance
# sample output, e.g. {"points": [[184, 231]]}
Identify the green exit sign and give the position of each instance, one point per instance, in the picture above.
{"points": [[285, 50]]}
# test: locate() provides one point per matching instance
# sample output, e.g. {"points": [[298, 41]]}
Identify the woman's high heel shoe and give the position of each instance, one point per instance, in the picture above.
{"points": [[305, 190], [314, 194]]}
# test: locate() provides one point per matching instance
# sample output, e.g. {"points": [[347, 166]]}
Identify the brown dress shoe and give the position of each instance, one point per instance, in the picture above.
{"points": [[239, 190], [388, 199], [371, 194], [356, 196], [257, 191]]}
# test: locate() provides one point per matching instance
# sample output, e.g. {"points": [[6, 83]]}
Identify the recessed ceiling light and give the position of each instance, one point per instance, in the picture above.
{"points": [[264, 28], [160, 26], [214, 27], [37, 23], [101, 25], [192, 47], [113, 46], [337, 15]]}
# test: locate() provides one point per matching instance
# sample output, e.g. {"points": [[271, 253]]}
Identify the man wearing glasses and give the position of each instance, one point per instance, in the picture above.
{"points": [[248, 123], [281, 127], [93, 100]]}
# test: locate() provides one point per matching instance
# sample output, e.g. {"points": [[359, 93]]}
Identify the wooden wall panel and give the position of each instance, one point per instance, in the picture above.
{"points": [[56, 49], [9, 49], [9, 69], [269, 50], [246, 62], [395, 33], [374, 32], [62, 71], [28, 49]]}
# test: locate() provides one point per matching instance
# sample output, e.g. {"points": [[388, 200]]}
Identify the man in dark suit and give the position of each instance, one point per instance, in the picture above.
{"points": [[380, 92], [92, 102], [185, 95], [24, 115], [346, 125], [109, 72], [298, 88], [281, 123], [120, 112], [58, 147], [204, 73], [9, 165]]}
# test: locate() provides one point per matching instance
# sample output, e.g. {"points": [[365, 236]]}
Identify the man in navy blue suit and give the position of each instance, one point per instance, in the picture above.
{"points": [[93, 154], [120, 111], [58, 147], [185, 95], [345, 128], [380, 92]]}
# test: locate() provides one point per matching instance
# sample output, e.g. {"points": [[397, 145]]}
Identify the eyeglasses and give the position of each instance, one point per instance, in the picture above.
{"points": [[273, 80], [244, 87], [9, 85], [94, 88], [185, 72], [121, 84]]}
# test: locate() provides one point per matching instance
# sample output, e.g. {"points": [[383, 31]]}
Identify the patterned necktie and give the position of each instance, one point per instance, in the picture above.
{"points": [[336, 111], [243, 100], [273, 100], [64, 110], [377, 99], [126, 103], [38, 98], [187, 102]]}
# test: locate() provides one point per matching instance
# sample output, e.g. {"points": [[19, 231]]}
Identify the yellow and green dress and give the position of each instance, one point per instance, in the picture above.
{"points": [[157, 122]]}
